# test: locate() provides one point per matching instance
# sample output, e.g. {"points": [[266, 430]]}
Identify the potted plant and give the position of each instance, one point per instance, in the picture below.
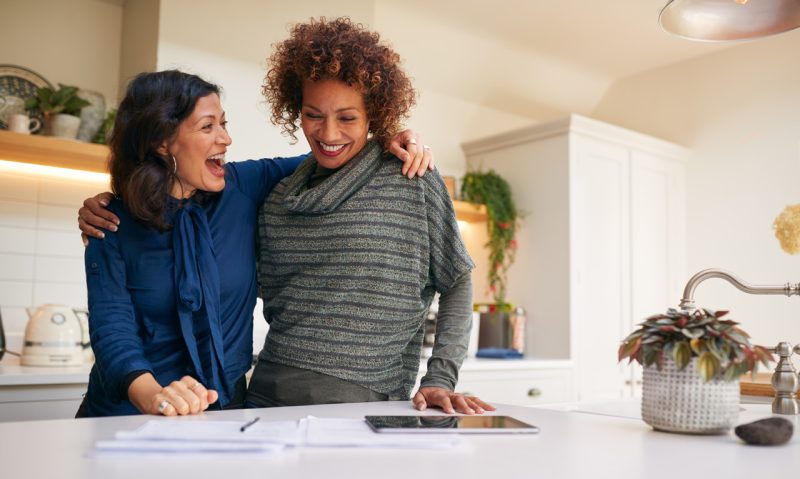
{"points": [[502, 326], [692, 361], [103, 134], [61, 109], [490, 189]]}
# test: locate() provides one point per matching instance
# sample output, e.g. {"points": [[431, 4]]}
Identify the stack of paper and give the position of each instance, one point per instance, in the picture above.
{"points": [[177, 435]]}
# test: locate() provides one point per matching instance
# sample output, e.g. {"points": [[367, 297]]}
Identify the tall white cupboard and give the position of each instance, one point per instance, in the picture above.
{"points": [[602, 243]]}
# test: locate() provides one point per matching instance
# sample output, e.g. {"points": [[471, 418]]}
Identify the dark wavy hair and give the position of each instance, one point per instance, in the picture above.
{"points": [[154, 106], [341, 50]]}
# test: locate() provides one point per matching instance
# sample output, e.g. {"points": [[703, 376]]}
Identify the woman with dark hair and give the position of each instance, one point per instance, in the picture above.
{"points": [[351, 255], [172, 290]]}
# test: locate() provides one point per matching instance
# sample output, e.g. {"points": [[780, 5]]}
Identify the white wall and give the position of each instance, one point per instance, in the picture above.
{"points": [[41, 254], [139, 40], [739, 111], [75, 42]]}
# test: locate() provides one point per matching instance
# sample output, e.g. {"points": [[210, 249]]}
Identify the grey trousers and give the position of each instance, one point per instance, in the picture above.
{"points": [[275, 384]]}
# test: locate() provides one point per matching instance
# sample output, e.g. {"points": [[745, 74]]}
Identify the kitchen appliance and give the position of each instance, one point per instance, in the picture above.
{"points": [[53, 337], [502, 331], [83, 318]]}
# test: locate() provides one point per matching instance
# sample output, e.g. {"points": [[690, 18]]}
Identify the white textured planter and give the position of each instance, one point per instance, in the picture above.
{"points": [[680, 401], [63, 125]]}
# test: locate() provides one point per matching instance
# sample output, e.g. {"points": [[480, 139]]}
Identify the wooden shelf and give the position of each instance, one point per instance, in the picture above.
{"points": [[469, 212], [50, 151]]}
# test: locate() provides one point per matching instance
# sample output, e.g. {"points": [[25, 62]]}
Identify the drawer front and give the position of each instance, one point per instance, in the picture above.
{"points": [[38, 410], [518, 387], [34, 402]]}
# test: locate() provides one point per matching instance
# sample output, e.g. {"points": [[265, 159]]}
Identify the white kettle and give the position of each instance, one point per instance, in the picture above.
{"points": [[54, 336]]}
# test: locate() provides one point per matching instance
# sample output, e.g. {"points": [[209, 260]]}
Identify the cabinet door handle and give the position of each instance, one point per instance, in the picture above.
{"points": [[534, 392]]}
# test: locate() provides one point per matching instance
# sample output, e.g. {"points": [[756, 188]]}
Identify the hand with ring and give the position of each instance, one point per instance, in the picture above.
{"points": [[179, 398], [416, 159]]}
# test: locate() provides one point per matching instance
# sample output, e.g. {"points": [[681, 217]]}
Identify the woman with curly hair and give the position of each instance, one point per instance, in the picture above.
{"points": [[351, 254]]}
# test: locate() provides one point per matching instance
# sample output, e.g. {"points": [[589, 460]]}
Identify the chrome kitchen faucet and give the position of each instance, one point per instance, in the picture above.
{"points": [[784, 379]]}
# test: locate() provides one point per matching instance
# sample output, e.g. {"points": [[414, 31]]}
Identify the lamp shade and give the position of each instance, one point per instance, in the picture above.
{"points": [[725, 20]]}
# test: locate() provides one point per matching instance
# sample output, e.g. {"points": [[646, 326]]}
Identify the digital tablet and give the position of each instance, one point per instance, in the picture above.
{"points": [[450, 424]]}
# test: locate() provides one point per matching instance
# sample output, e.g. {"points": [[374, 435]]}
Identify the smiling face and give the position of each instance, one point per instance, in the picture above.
{"points": [[199, 149], [334, 121]]}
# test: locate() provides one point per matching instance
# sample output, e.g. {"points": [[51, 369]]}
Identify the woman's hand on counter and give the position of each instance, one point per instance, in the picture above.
{"points": [[449, 401], [179, 398], [93, 215]]}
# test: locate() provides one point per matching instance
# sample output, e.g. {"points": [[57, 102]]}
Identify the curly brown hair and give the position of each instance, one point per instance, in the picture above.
{"points": [[341, 50]]}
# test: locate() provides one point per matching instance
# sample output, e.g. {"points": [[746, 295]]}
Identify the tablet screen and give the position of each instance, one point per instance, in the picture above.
{"points": [[450, 424]]}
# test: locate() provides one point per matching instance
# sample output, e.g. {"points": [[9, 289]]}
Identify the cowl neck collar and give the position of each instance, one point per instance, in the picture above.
{"points": [[328, 195]]}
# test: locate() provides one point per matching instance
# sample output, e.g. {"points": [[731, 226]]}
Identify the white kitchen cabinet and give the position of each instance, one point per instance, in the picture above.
{"points": [[602, 242], [520, 382], [35, 393]]}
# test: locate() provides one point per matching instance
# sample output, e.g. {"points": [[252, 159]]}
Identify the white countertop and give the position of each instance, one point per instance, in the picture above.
{"points": [[12, 374], [598, 442]]}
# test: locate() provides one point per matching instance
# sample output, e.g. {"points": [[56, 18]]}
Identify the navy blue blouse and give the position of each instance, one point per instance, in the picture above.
{"points": [[180, 302]]}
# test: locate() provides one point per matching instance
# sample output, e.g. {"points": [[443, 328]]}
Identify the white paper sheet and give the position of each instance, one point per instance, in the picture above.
{"points": [[182, 436], [279, 432], [183, 447]]}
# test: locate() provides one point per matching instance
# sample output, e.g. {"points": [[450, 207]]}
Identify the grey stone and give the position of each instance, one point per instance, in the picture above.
{"points": [[772, 431]]}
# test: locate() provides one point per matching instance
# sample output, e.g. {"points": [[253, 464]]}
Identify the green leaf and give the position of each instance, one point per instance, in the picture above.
{"points": [[734, 336], [731, 372], [692, 333], [682, 354], [707, 366], [650, 355]]}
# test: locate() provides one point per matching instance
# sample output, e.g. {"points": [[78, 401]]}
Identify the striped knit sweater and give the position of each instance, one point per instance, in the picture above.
{"points": [[348, 270]]}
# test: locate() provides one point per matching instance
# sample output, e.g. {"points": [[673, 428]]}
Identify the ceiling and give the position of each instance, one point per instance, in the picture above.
{"points": [[583, 45]]}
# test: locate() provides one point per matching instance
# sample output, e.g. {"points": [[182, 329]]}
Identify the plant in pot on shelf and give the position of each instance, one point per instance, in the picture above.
{"points": [[692, 361], [61, 109], [502, 325]]}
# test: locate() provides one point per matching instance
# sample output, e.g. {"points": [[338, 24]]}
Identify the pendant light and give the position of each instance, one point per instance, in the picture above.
{"points": [[726, 20]]}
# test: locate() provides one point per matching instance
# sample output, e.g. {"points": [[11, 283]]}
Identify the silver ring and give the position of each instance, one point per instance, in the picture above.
{"points": [[194, 385], [162, 406], [426, 147], [411, 142]]}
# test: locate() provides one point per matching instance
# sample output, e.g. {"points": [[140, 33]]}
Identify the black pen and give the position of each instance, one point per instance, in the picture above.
{"points": [[250, 423]]}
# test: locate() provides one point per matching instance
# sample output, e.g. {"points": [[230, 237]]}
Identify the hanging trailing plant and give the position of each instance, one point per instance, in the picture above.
{"points": [[492, 190]]}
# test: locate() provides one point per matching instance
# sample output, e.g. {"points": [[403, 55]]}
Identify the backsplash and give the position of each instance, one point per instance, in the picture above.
{"points": [[41, 253]]}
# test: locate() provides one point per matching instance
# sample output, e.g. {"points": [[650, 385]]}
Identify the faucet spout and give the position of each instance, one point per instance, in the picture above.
{"points": [[687, 302]]}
